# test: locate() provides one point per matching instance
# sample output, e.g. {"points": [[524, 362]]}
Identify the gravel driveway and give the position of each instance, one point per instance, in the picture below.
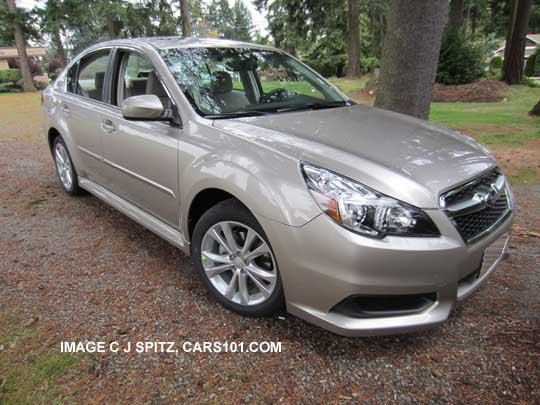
{"points": [[74, 269]]}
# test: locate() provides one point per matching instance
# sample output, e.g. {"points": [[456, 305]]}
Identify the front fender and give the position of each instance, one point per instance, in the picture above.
{"points": [[270, 187]]}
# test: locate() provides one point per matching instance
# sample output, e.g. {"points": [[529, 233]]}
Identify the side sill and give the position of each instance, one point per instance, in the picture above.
{"points": [[151, 223]]}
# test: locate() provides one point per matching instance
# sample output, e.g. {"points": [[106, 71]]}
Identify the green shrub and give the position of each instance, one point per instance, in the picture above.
{"points": [[55, 74], [328, 55], [40, 85], [495, 68], [532, 67], [6, 87], [10, 75], [369, 64], [460, 61], [494, 74], [496, 62], [529, 81]]}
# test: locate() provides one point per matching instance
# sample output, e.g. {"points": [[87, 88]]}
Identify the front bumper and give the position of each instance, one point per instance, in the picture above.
{"points": [[323, 264]]}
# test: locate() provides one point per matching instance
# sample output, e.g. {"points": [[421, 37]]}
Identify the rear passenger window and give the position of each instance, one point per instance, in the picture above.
{"points": [[91, 75]]}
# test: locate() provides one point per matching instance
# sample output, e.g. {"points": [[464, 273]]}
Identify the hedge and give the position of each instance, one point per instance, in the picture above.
{"points": [[10, 75], [532, 67]]}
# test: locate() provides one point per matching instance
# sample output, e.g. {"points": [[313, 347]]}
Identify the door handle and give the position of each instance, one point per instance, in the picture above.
{"points": [[108, 126], [65, 109]]}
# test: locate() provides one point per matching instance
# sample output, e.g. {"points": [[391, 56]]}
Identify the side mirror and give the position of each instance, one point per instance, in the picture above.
{"points": [[147, 107]]}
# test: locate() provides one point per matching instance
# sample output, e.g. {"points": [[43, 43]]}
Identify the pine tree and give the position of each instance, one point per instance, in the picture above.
{"points": [[20, 43], [410, 55]]}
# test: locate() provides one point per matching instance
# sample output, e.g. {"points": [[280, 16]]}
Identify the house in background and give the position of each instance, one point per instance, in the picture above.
{"points": [[37, 53], [11, 53], [533, 42]]}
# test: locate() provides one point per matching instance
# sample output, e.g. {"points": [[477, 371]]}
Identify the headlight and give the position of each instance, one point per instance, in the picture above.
{"points": [[364, 210]]}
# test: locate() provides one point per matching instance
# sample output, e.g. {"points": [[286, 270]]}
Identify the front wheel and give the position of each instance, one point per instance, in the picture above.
{"points": [[236, 262]]}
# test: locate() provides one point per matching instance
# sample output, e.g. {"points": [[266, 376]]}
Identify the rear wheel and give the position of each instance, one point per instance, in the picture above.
{"points": [[65, 168], [236, 262]]}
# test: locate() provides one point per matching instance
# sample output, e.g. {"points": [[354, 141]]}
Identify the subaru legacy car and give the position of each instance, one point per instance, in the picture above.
{"points": [[287, 194]]}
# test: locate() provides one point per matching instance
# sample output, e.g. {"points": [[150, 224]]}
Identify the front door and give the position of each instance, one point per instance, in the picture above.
{"points": [[141, 156]]}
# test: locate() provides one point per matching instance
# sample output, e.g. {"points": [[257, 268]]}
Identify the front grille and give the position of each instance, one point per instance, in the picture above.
{"points": [[477, 206], [469, 189], [478, 222]]}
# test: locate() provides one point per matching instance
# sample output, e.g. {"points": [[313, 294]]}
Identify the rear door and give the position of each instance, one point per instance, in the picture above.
{"points": [[141, 156], [83, 108]]}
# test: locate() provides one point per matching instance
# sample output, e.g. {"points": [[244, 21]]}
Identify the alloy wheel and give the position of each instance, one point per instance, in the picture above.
{"points": [[63, 166], [239, 263]]}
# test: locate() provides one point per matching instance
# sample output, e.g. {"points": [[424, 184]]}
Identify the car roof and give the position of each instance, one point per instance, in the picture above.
{"points": [[180, 42]]}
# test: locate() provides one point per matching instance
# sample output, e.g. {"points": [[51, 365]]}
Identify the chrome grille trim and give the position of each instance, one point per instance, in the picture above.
{"points": [[477, 207]]}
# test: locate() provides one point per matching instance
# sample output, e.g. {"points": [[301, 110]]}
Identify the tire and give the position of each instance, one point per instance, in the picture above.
{"points": [[259, 290], [65, 167]]}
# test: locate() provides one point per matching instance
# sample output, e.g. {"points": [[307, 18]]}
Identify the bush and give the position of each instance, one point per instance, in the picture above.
{"points": [[496, 62], [369, 64], [532, 67], [6, 87], [460, 61], [495, 68], [528, 81], [54, 75], [53, 65], [41, 85], [328, 56], [35, 69], [10, 76]]}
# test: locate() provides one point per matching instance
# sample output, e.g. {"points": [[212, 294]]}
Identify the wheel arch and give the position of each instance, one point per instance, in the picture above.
{"points": [[52, 133], [202, 202]]}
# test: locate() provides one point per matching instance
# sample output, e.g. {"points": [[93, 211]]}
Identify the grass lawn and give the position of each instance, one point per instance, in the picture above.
{"points": [[31, 371], [349, 85], [505, 122]]}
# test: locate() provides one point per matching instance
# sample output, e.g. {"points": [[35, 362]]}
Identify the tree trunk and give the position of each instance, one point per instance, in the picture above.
{"points": [[111, 27], [515, 49], [60, 47], [474, 24], [509, 31], [20, 43], [184, 11], [456, 15], [353, 68], [536, 109], [410, 55]]}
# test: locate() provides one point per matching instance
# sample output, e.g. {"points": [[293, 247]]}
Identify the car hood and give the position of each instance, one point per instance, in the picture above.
{"points": [[396, 154]]}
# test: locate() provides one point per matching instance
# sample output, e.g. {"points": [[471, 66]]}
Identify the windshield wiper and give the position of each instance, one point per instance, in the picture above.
{"points": [[236, 114], [315, 106]]}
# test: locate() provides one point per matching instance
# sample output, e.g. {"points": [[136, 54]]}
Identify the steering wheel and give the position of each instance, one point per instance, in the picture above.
{"points": [[276, 95]]}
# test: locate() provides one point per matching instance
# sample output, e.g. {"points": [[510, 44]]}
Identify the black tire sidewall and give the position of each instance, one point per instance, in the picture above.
{"points": [[232, 210]]}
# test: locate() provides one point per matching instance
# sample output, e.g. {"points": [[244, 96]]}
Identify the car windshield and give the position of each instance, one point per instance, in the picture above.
{"points": [[230, 82]]}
